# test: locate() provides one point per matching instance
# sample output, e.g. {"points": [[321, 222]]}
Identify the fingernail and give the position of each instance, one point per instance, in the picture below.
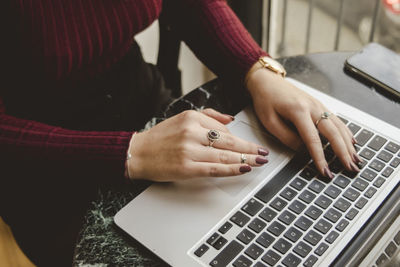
{"points": [[263, 152], [354, 140], [354, 167], [328, 173], [232, 118], [261, 160], [244, 168], [356, 158]]}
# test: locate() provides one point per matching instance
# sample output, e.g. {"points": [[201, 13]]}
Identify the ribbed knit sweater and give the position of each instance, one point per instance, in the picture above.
{"points": [[76, 39]]}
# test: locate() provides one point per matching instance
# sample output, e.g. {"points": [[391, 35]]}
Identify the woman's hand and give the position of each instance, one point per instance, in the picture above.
{"points": [[178, 148], [277, 101]]}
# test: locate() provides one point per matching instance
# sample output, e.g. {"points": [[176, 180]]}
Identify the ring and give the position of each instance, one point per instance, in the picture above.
{"points": [[242, 158], [324, 116], [212, 135]]}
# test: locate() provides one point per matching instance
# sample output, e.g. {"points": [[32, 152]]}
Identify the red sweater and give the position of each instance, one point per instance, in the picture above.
{"points": [[74, 39]]}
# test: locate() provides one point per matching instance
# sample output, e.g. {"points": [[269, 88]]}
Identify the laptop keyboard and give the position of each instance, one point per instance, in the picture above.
{"points": [[295, 224]]}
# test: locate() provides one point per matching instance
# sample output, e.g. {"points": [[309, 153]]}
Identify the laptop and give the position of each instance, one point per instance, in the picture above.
{"points": [[283, 213]]}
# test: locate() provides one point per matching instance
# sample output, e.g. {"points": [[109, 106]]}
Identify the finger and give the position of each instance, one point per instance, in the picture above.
{"points": [[222, 118], [207, 169], [205, 154], [276, 126], [332, 133], [347, 138], [310, 136], [230, 142], [211, 123]]}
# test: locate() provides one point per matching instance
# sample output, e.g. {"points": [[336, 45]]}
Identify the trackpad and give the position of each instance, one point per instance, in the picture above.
{"points": [[233, 185]]}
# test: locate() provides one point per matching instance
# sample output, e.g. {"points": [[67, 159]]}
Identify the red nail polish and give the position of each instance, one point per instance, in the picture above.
{"points": [[263, 152], [261, 160], [244, 168], [328, 173]]}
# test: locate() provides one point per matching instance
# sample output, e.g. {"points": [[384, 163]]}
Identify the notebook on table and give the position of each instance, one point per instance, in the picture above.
{"points": [[283, 213]]}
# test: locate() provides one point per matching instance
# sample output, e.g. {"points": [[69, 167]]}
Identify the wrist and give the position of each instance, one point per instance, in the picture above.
{"points": [[264, 63], [128, 160]]}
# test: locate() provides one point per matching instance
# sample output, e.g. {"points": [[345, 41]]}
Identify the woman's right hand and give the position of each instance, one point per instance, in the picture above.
{"points": [[178, 148]]}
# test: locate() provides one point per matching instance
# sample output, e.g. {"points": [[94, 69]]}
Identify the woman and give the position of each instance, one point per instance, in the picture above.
{"points": [[76, 89]]}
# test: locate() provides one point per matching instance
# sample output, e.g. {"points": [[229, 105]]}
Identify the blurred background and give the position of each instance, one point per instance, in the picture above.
{"points": [[294, 27]]}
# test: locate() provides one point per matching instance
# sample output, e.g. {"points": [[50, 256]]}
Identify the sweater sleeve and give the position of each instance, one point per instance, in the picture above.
{"points": [[30, 139], [216, 35]]}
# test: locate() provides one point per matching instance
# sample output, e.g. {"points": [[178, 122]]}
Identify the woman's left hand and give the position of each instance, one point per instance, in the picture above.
{"points": [[276, 102]]}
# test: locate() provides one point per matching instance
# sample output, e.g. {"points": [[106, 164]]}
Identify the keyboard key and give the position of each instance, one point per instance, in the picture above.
{"points": [[287, 217], [342, 119], [323, 202], [360, 184], [246, 236], [350, 174], [257, 225], [376, 165], [351, 194], [351, 214], [302, 249], [395, 162], [385, 156], [307, 196], [363, 137], [367, 153], [212, 239], [391, 249], [313, 212], [377, 142], [240, 219], [276, 228], [308, 173], [288, 193], [392, 147], [268, 214], [297, 207], [387, 172], [265, 240], [303, 223], [368, 174], [252, 207], [312, 237], [370, 192], [333, 191], [397, 238], [271, 257], [381, 260], [323, 226], [379, 182], [242, 261], [278, 203], [316, 186], [336, 166], [227, 254], [331, 237], [362, 164], [310, 261], [342, 204], [220, 243], [332, 215], [282, 246], [293, 234], [298, 184], [361, 203], [342, 225], [254, 251], [260, 264], [354, 128], [201, 250], [341, 181], [321, 249], [291, 260], [225, 228]]}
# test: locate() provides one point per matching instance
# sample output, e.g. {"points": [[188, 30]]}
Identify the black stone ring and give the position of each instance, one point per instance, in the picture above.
{"points": [[212, 135]]}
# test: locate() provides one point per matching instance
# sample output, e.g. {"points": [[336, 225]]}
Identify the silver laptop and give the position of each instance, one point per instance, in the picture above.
{"points": [[284, 213]]}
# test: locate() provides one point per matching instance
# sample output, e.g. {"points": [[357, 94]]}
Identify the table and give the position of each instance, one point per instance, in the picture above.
{"points": [[101, 242]]}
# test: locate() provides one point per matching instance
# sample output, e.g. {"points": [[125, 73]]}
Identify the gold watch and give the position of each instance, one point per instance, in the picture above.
{"points": [[268, 63], [273, 65]]}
